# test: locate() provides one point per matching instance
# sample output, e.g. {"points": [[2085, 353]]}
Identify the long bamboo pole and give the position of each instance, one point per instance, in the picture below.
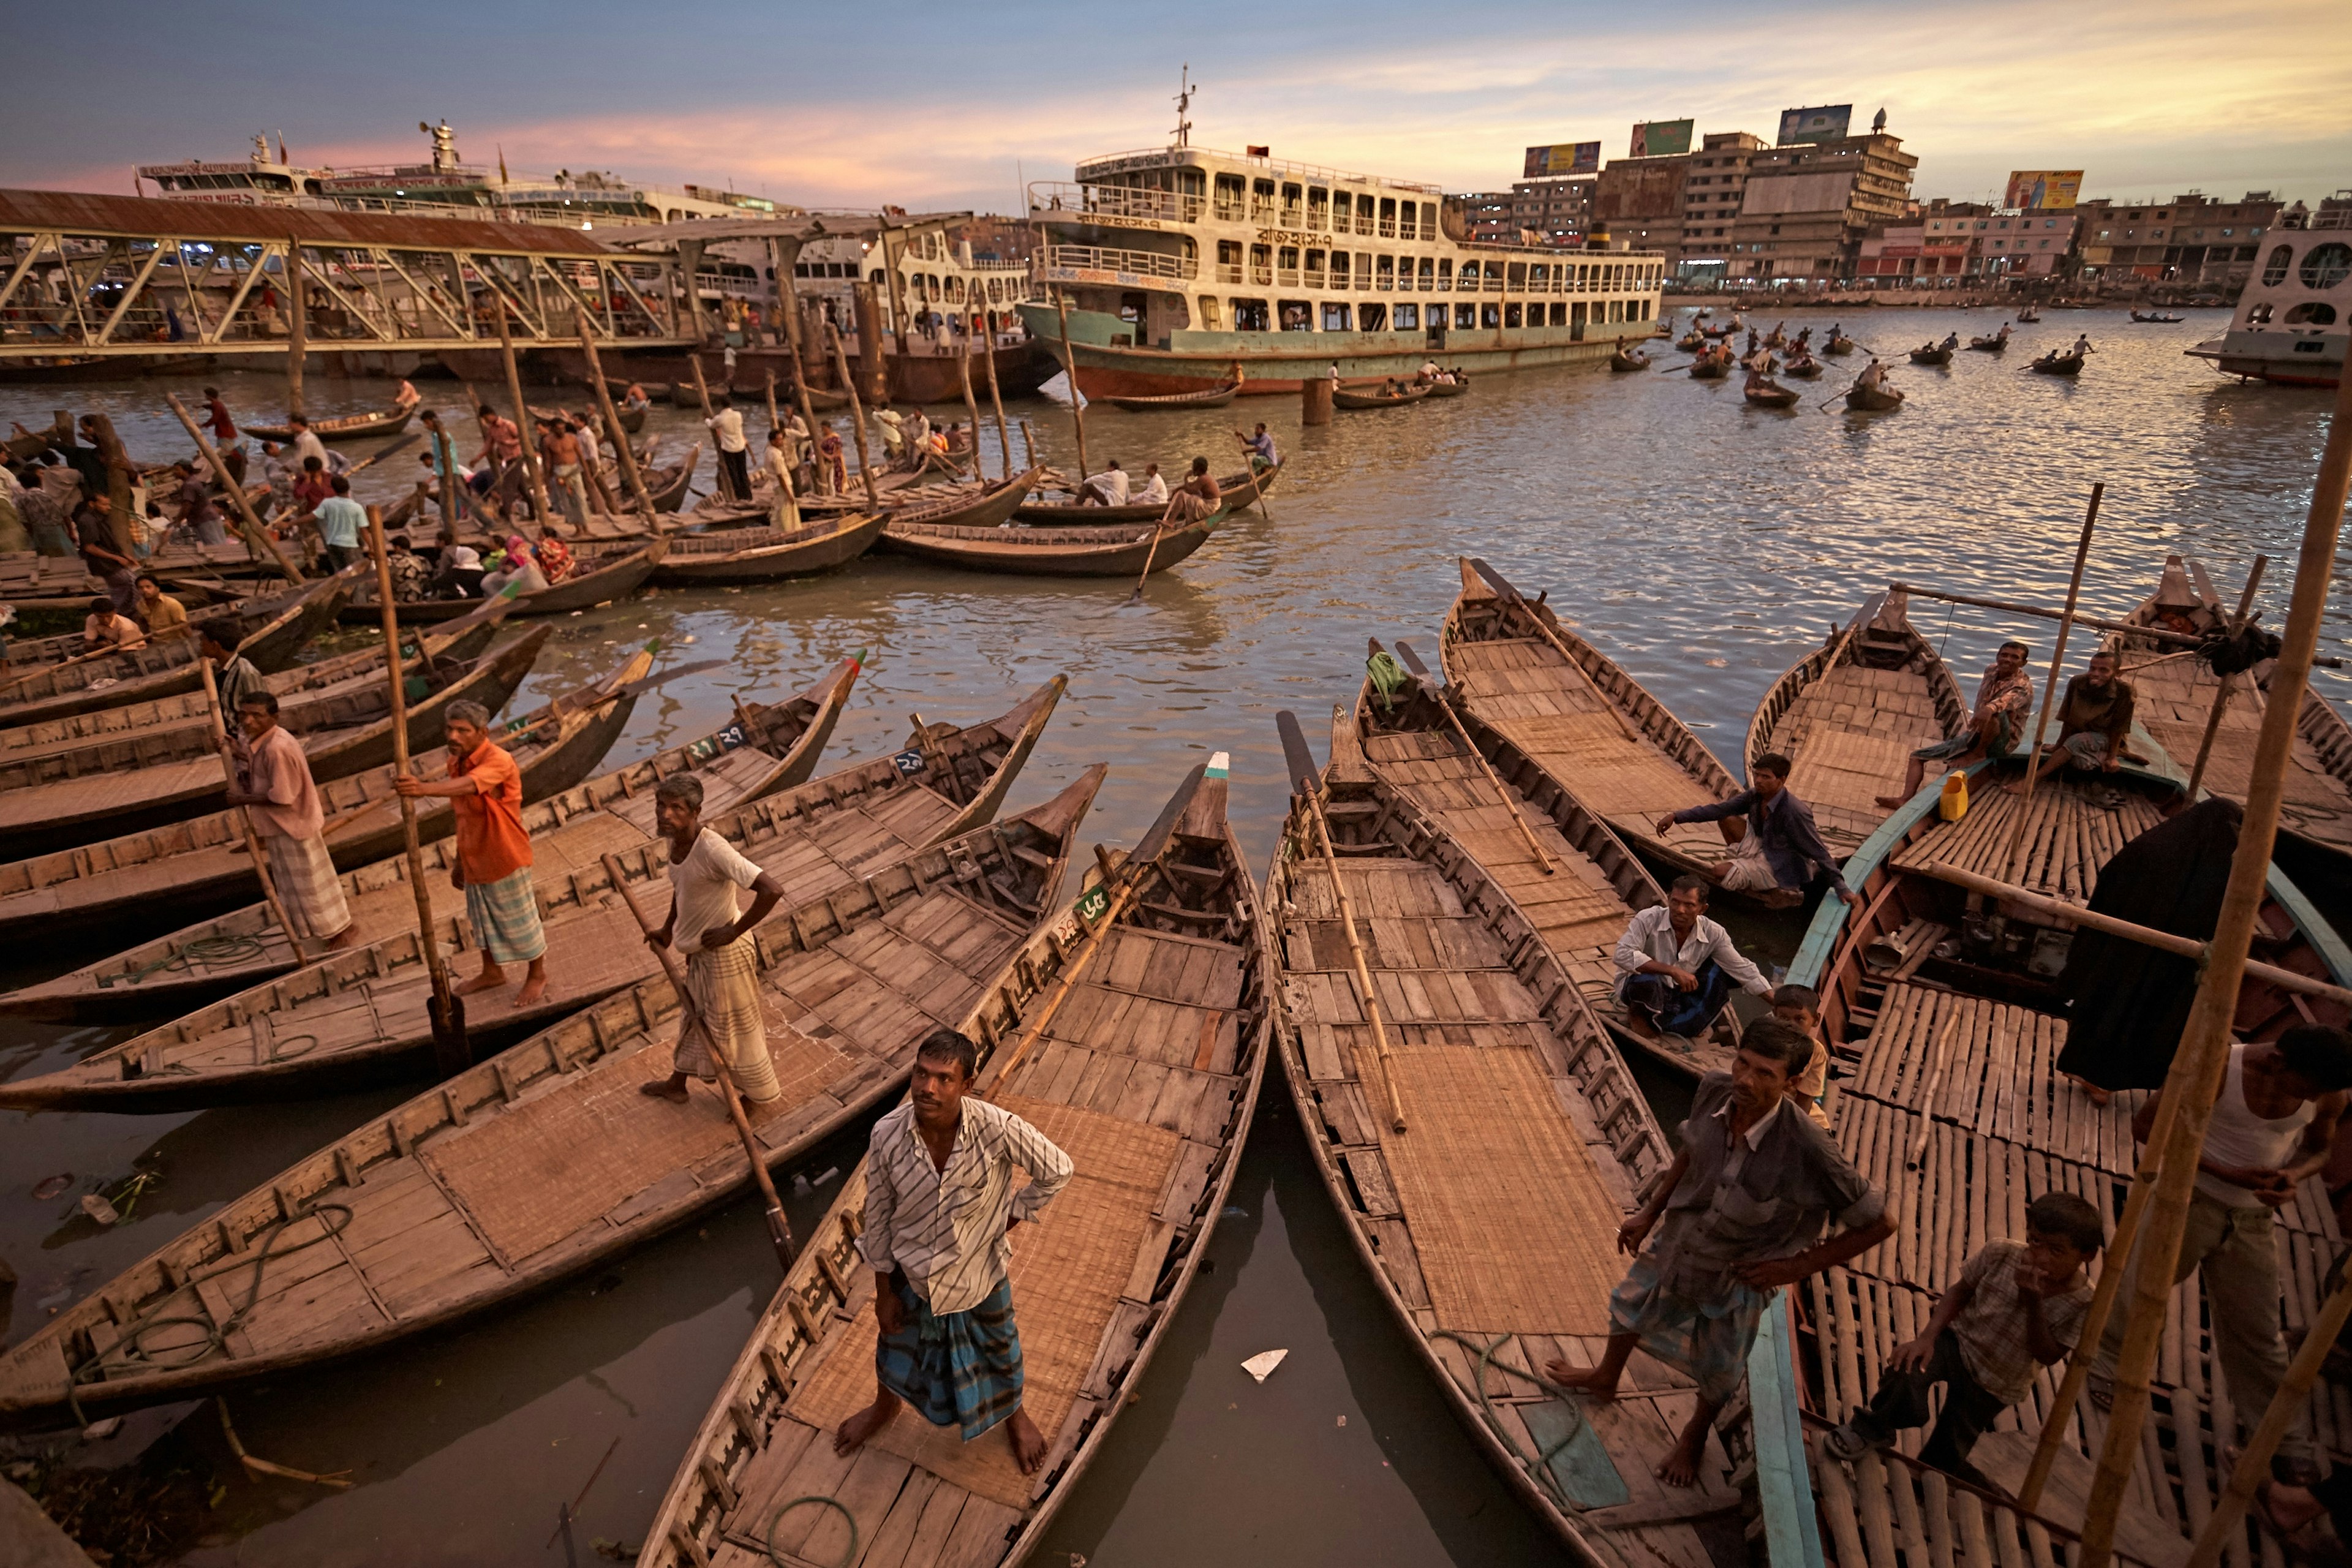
{"points": [[2050, 687], [971, 403], [244, 817], [257, 538], [856, 414], [2149, 634], [450, 1050], [1070, 370], [297, 327], [995, 393], [521, 415], [1493, 780], [622, 449], [2229, 682], [2195, 1079], [1383, 1050], [702, 391], [794, 322]]}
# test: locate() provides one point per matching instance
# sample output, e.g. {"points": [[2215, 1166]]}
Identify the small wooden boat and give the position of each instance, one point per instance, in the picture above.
{"points": [[1342, 399], [1039, 514], [1712, 365], [281, 626], [1457, 387], [599, 575], [2055, 364], [2156, 318], [1804, 367], [1719, 332], [631, 420], [1991, 345], [1214, 397], [685, 394], [1931, 355], [105, 788], [1691, 342], [768, 554], [1763, 392], [349, 428], [1839, 345], [1776, 337], [1850, 714], [850, 994], [170, 874], [967, 506], [1876, 399], [1628, 359], [1499, 1089], [1121, 550], [2028, 316]]}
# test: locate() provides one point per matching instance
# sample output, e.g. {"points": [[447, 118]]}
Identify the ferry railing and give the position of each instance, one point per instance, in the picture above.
{"points": [[1114, 201], [1286, 276], [1229, 272], [1384, 281], [1314, 277], [1229, 212], [1105, 259], [1388, 228], [1261, 276], [1260, 209]]}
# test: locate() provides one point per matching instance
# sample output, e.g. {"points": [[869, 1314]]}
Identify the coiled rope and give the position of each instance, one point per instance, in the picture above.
{"points": [[1539, 1469], [849, 1552], [203, 950]]}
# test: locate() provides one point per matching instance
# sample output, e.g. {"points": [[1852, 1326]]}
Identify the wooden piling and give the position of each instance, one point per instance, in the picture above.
{"points": [[857, 416]]}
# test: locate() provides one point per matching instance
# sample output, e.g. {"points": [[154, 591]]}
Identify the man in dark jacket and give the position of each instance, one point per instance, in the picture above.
{"points": [[1774, 845]]}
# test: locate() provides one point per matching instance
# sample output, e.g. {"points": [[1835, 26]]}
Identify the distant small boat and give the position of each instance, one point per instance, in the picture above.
{"points": [[2028, 316], [1345, 399], [1692, 340], [1991, 345], [1931, 355], [2156, 319], [1763, 392], [1805, 367], [1628, 359], [349, 428], [1871, 399], [2056, 364], [1712, 364], [1209, 397], [1458, 387], [1839, 345]]}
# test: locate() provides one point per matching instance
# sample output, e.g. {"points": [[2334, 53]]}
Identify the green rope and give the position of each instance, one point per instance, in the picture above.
{"points": [[849, 1553], [203, 950], [1388, 677], [1540, 1467]]}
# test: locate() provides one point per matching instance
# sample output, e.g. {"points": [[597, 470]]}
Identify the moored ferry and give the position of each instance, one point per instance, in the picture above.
{"points": [[2295, 320], [1183, 268]]}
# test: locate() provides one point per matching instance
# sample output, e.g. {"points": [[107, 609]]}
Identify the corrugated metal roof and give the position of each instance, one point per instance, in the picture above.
{"points": [[797, 229], [81, 212]]}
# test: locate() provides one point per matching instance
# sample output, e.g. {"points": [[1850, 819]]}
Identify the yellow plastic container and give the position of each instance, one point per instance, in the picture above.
{"points": [[1953, 804]]}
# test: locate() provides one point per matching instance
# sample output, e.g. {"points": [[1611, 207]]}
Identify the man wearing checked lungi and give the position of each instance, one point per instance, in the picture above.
{"points": [[939, 1209], [722, 970], [281, 800], [493, 859], [1745, 1205]]}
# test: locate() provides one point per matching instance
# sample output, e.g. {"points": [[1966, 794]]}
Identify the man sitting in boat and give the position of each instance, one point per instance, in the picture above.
{"points": [[1675, 967], [1743, 1208], [105, 628], [459, 574], [1775, 848], [1196, 499], [941, 1206], [1105, 489], [1155, 488], [634, 400], [2094, 721], [1994, 728], [1260, 447]]}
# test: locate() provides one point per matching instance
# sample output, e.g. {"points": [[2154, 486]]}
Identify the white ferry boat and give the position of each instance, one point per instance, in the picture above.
{"points": [[1184, 268], [2295, 320]]}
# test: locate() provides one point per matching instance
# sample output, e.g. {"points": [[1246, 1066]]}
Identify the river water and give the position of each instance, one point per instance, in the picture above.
{"points": [[1705, 545]]}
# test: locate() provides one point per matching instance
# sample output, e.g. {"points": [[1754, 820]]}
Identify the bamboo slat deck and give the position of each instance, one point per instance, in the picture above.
{"points": [[2176, 701], [1961, 1131], [443, 1207], [1147, 1075], [1489, 1221], [1850, 726], [1573, 720]]}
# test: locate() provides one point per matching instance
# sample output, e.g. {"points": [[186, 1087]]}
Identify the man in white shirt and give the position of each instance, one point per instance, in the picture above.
{"points": [[734, 464], [1155, 488], [1105, 489], [939, 1205], [307, 443], [1676, 967], [722, 970]]}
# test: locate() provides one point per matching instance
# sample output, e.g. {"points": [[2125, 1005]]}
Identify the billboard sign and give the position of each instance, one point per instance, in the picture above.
{"points": [[1827, 123], [1661, 138], [1562, 158], [2043, 190]]}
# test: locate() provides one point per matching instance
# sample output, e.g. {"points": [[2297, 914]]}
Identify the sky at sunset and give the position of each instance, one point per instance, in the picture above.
{"points": [[947, 106]]}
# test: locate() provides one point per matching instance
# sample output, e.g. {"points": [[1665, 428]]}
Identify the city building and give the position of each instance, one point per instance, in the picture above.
{"points": [[1682, 203], [1557, 210], [1487, 217], [1806, 207], [2190, 239], [1946, 241]]}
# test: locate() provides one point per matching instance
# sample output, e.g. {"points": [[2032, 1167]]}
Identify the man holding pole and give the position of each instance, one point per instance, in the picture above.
{"points": [[274, 784], [722, 971], [493, 859], [216, 640]]}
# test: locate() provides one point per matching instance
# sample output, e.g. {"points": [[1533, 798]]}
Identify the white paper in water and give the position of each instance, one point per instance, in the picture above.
{"points": [[1264, 1362]]}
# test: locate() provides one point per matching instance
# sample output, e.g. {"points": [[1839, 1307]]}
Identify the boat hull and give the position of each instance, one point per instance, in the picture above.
{"points": [[768, 555]]}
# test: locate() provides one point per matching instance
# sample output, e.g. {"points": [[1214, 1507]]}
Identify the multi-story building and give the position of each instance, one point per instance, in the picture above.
{"points": [[1712, 191], [1558, 209], [1947, 241], [1489, 217], [1806, 206], [1683, 204], [2190, 239]]}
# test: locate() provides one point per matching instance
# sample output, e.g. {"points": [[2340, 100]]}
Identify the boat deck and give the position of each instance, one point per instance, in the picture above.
{"points": [[1851, 735]]}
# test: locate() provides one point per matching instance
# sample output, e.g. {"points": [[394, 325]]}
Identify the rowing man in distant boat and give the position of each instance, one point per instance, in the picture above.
{"points": [[1993, 729], [1260, 447]]}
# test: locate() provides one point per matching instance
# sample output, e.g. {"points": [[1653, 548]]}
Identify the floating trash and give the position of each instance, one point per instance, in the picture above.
{"points": [[50, 1187], [1264, 1362], [98, 1209]]}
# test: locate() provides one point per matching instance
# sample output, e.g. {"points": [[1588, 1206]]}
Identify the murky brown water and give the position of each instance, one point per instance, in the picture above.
{"points": [[1705, 545]]}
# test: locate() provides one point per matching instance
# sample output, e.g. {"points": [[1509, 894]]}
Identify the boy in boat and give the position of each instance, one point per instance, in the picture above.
{"points": [[281, 800], [1676, 968], [939, 1208], [2016, 1308], [493, 859], [722, 970], [2093, 722], [1196, 499], [1775, 848], [1800, 1007], [1743, 1209], [1996, 726]]}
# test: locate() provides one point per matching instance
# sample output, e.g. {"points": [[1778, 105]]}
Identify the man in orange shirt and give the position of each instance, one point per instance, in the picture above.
{"points": [[493, 859]]}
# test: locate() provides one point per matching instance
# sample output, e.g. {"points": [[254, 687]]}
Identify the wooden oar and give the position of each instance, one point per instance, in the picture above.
{"points": [[1307, 787], [633, 688], [1070, 370], [780, 1229], [244, 817], [451, 1051], [1158, 530], [1502, 792], [1511, 595]]}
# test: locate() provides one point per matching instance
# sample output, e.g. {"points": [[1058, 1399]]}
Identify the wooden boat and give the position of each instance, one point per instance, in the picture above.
{"points": [[363, 1011], [1691, 342], [1498, 1089], [1099, 1283], [2174, 703], [2055, 364], [1064, 512], [766, 749], [1775, 339], [349, 428], [175, 873], [972, 506], [1945, 1095], [1763, 392], [429, 1224], [2156, 318], [105, 788], [1878, 399], [1214, 397], [1991, 345], [1839, 345], [1804, 367], [281, 625], [599, 575], [1581, 717], [768, 554], [1118, 551], [2028, 316], [1849, 715], [1712, 364], [684, 395], [1458, 387], [1931, 355], [631, 420], [1342, 399], [1628, 359]]}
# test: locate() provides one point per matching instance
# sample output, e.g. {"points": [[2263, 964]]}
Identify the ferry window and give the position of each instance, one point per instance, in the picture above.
{"points": [[1297, 315], [1560, 312], [2258, 315], [800, 269], [1229, 205], [1339, 270], [1318, 207], [1511, 315], [1363, 215], [2326, 266], [1405, 229], [1249, 316], [2311, 313], [1290, 202], [1515, 277], [1363, 269], [1445, 275], [1429, 220], [1407, 318], [1286, 258], [1315, 265], [1385, 277], [1465, 317], [1372, 318], [1211, 314], [1261, 199], [1335, 317], [1261, 264], [1490, 316], [1387, 217], [1428, 275], [2274, 270]]}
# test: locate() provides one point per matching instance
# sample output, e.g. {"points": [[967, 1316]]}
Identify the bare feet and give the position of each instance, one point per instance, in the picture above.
{"points": [[1889, 802], [854, 1433], [1028, 1443], [489, 979], [347, 937], [534, 987], [1592, 1382], [1680, 1466], [672, 1088]]}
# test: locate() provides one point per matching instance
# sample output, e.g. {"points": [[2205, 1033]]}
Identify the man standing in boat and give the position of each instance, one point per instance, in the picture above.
{"points": [[493, 859], [940, 1212], [722, 968], [1994, 728], [734, 464], [1775, 848], [279, 798], [1743, 1208]]}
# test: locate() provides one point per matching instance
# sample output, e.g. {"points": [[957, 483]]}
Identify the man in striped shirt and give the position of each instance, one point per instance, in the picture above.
{"points": [[939, 1205]]}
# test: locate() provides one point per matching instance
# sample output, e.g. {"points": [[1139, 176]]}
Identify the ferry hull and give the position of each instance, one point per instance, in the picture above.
{"points": [[2321, 373]]}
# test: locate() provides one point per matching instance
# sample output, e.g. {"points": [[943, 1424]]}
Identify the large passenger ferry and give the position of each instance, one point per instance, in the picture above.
{"points": [[2295, 320], [1183, 268]]}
